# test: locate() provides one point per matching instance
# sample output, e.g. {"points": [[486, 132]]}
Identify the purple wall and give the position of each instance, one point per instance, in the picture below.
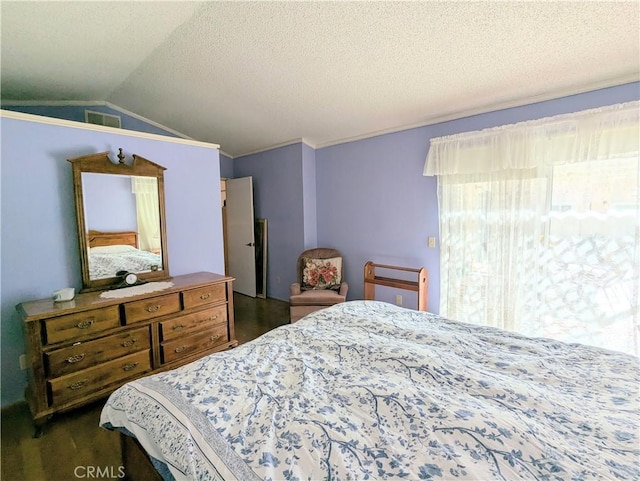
{"points": [[374, 204], [226, 166], [278, 184], [39, 249], [109, 202], [309, 197]]}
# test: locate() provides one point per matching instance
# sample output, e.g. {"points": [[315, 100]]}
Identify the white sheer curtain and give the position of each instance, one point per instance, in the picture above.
{"points": [[539, 226], [147, 212]]}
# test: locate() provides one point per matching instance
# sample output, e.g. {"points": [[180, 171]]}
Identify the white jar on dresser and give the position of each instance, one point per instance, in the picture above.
{"points": [[83, 349]]}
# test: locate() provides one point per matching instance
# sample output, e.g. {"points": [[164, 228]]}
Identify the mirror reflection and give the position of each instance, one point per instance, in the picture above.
{"points": [[122, 221], [120, 214]]}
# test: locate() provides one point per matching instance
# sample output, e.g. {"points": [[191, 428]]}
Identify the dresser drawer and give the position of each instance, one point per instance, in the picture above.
{"points": [[183, 325], [87, 354], [152, 307], [80, 324], [204, 295], [204, 339], [77, 384]]}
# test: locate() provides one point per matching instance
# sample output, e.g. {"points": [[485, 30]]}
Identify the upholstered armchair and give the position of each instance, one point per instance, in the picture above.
{"points": [[320, 282]]}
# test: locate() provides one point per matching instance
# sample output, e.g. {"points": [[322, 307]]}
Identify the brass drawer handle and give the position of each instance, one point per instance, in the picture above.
{"points": [[129, 343], [204, 297], [76, 358], [178, 350], [85, 324], [130, 366], [212, 318], [214, 338], [178, 327], [77, 385], [153, 308]]}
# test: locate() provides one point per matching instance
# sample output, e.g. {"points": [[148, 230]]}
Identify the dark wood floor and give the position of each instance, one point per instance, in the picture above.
{"points": [[73, 446]]}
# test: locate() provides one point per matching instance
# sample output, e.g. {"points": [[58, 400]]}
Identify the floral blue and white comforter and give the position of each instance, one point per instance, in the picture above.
{"points": [[105, 263], [367, 390]]}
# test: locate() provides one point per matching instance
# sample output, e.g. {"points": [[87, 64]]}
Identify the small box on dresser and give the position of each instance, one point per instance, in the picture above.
{"points": [[82, 350]]}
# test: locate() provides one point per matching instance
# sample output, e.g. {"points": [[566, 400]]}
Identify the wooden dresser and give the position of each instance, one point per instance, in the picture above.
{"points": [[83, 349]]}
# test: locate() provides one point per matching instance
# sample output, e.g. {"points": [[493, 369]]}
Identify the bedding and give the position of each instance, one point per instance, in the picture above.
{"points": [[368, 390], [105, 261]]}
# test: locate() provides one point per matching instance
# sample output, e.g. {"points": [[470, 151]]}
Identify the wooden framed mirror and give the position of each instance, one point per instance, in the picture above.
{"points": [[120, 213]]}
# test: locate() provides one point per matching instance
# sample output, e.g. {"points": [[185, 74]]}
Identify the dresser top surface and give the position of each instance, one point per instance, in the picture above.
{"points": [[45, 308]]}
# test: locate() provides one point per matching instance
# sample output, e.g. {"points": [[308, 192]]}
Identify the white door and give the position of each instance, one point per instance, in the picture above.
{"points": [[240, 238]]}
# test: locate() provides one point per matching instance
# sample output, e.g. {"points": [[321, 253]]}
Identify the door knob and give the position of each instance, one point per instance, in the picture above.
{"points": [[250, 244]]}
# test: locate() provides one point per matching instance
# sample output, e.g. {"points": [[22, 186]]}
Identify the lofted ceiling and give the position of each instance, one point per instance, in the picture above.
{"points": [[253, 75]]}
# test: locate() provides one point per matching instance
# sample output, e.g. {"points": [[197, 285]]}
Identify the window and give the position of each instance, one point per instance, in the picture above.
{"points": [[539, 227], [589, 258]]}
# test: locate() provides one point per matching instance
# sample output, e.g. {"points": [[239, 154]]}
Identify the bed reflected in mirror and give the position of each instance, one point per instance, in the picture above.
{"points": [[112, 252], [122, 218]]}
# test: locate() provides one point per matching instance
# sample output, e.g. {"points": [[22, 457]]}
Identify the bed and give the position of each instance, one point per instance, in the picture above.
{"points": [[110, 252], [368, 390]]}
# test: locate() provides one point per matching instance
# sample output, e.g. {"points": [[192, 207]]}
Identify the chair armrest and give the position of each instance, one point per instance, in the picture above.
{"points": [[344, 287], [295, 289]]}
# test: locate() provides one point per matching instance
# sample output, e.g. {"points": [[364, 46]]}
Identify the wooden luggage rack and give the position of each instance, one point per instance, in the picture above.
{"points": [[420, 285]]}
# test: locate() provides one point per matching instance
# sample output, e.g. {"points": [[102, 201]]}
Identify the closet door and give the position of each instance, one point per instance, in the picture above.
{"points": [[240, 235]]}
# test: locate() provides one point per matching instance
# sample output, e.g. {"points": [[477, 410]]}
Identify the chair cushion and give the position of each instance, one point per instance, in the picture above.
{"points": [[321, 273], [316, 297]]}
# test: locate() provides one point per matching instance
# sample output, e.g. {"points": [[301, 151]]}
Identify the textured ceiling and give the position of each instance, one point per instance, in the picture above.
{"points": [[251, 75]]}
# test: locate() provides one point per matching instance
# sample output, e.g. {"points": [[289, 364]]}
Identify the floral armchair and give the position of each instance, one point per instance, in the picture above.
{"points": [[320, 275]]}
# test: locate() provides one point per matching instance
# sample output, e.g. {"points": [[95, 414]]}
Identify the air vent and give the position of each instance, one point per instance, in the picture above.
{"points": [[99, 118]]}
